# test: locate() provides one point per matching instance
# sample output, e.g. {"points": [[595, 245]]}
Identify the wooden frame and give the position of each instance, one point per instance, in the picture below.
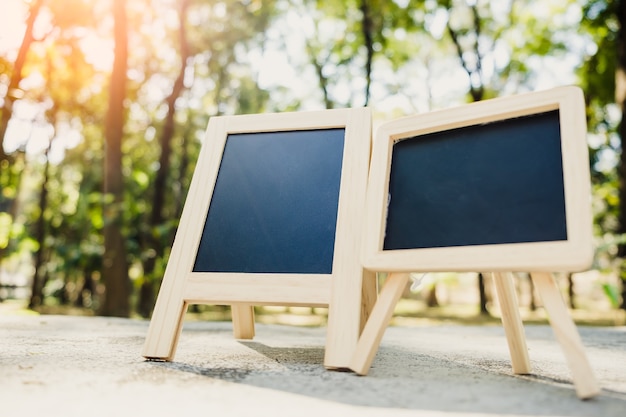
{"points": [[340, 290], [573, 254]]}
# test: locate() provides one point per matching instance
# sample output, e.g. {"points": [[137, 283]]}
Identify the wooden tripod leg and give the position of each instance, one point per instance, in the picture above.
{"points": [[512, 322], [378, 321], [164, 330], [369, 293], [567, 335], [243, 321]]}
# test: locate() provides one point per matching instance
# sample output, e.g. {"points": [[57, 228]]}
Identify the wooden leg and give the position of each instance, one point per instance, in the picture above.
{"points": [[369, 294], [243, 321], [567, 335], [512, 322], [165, 328], [378, 322], [344, 316]]}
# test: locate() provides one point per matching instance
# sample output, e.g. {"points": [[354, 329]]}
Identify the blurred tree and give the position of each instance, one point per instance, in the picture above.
{"points": [[620, 97], [13, 88], [395, 56], [156, 220], [346, 39], [40, 277], [53, 74], [207, 52], [603, 80], [11, 165], [115, 264]]}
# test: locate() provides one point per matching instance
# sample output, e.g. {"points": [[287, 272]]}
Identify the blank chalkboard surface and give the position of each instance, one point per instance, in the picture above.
{"points": [[274, 206], [494, 183], [499, 185]]}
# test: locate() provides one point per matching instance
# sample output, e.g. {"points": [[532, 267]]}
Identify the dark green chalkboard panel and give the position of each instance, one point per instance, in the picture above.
{"points": [[496, 183], [274, 206]]}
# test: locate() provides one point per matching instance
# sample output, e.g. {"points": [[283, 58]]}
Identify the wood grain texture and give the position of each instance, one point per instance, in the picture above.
{"points": [[512, 322], [369, 341], [243, 321], [369, 295], [567, 335]]}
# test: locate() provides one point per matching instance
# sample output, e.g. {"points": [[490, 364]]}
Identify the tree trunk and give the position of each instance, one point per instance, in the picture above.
{"points": [[483, 294], [431, 296], [474, 71], [87, 290], [11, 175], [16, 75], [621, 171], [146, 294], [368, 39], [570, 290], [36, 295], [321, 78], [181, 186], [533, 303], [115, 265]]}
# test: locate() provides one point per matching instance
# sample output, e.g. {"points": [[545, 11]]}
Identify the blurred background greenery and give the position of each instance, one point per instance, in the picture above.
{"points": [[104, 104]]}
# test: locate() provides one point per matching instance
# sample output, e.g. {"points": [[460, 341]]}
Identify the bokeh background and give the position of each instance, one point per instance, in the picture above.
{"points": [[104, 104]]}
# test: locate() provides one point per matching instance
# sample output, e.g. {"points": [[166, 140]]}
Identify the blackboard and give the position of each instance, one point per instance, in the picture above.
{"points": [[493, 183], [274, 206], [495, 187], [274, 216], [499, 185]]}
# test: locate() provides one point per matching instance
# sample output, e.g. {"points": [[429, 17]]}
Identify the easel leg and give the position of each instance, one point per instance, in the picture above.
{"points": [[512, 322], [344, 316], [378, 322], [369, 294], [243, 321], [165, 327], [567, 335]]}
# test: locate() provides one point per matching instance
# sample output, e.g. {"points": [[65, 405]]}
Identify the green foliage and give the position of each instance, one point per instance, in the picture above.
{"points": [[612, 293], [597, 75], [6, 221], [399, 56]]}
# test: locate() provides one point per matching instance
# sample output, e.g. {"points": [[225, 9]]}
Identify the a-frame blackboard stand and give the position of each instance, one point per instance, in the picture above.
{"points": [[500, 185], [273, 217]]}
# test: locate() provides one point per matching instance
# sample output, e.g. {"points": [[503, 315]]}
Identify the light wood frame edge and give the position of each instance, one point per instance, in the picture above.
{"points": [[572, 255]]}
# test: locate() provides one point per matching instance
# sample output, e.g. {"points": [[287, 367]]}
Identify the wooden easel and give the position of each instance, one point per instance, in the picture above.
{"points": [[441, 197], [564, 328], [345, 288]]}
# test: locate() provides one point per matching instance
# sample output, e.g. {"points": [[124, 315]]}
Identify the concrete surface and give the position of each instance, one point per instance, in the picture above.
{"points": [[91, 366]]}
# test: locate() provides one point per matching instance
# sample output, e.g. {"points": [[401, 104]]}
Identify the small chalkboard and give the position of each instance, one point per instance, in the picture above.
{"points": [[496, 185], [273, 216]]}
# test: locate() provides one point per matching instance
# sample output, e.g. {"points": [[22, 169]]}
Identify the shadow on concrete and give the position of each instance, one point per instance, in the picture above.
{"points": [[404, 379]]}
